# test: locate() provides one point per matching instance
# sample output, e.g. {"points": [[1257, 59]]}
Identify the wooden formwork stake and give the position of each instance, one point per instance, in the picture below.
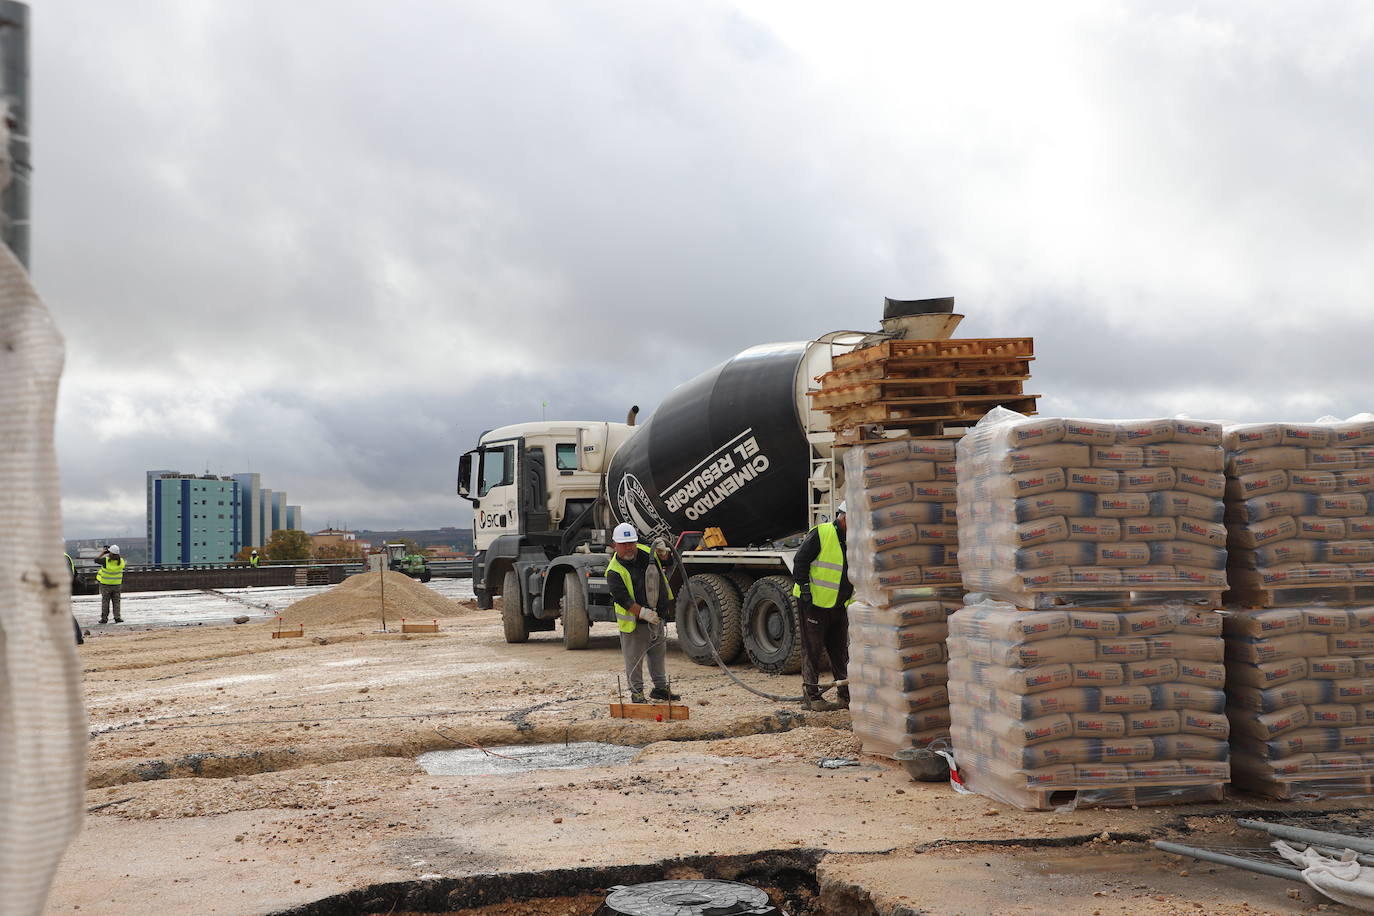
{"points": [[282, 633]]}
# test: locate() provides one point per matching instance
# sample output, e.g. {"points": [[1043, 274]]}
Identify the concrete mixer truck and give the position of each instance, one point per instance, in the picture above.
{"points": [[739, 449]]}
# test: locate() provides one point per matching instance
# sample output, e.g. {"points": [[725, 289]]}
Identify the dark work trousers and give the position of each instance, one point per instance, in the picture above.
{"points": [[824, 630], [109, 595]]}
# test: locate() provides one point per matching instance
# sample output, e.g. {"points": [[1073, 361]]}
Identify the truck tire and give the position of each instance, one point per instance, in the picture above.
{"points": [[742, 582], [426, 576], [576, 624], [769, 626], [715, 620], [513, 609]]}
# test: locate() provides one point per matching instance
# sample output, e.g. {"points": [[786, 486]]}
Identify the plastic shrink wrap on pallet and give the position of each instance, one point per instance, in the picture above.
{"points": [[901, 546], [1076, 706], [1049, 507], [1300, 696], [1300, 508]]}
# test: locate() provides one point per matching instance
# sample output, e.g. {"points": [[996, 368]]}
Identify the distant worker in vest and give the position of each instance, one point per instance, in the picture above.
{"points": [[253, 557], [71, 575], [110, 575], [823, 592], [642, 597]]}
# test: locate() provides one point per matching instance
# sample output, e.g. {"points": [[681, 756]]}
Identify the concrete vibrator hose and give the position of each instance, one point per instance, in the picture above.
{"points": [[695, 608]]}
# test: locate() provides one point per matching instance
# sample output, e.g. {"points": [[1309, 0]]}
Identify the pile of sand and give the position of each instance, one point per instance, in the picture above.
{"points": [[360, 598], [808, 743]]}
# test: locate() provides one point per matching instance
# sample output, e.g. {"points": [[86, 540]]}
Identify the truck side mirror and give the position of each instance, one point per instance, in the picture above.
{"points": [[465, 476]]}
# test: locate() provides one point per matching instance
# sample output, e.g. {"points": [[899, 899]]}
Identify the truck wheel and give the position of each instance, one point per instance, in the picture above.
{"points": [[576, 624], [715, 620], [426, 576], [769, 626], [513, 608]]}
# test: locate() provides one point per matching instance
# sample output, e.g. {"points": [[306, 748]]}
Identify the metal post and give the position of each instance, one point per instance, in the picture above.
{"points": [[1303, 835], [14, 90], [381, 576], [1221, 858]]}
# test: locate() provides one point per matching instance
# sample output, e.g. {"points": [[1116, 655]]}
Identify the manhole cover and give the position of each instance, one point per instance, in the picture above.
{"points": [[704, 897], [524, 758]]}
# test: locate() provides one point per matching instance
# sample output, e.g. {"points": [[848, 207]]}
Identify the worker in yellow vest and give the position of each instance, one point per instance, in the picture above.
{"points": [[642, 596], [110, 575], [253, 558], [823, 593]]}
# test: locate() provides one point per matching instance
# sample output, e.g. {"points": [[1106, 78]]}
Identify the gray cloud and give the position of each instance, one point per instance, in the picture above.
{"points": [[336, 242]]}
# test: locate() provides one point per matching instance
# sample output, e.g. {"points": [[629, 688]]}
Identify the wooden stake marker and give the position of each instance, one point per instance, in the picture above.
{"points": [[660, 712], [280, 633]]}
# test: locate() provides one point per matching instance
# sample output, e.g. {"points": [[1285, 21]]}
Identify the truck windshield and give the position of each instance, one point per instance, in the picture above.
{"points": [[497, 468]]}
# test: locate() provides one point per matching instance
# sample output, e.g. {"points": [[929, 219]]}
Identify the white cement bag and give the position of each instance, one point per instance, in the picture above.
{"points": [[1178, 455], [1091, 432], [1252, 436], [1307, 435]]}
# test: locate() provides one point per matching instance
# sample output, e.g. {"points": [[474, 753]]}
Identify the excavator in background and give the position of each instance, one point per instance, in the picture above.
{"points": [[740, 449], [400, 559]]}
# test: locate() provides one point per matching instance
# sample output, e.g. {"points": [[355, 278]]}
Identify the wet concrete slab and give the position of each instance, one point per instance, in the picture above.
{"points": [[574, 755]]}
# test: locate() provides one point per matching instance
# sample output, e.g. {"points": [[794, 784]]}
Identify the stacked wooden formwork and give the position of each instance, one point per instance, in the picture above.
{"points": [[924, 388]]}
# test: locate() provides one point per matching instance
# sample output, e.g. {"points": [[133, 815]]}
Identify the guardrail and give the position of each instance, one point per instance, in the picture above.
{"points": [[155, 578]]}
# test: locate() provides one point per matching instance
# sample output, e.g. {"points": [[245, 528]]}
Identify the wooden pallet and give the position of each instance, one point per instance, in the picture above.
{"points": [[898, 411], [1121, 795], [1344, 593], [867, 433], [941, 348], [1346, 785], [885, 389]]}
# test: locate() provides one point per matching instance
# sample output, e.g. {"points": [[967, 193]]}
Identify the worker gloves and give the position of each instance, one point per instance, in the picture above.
{"points": [[649, 616]]}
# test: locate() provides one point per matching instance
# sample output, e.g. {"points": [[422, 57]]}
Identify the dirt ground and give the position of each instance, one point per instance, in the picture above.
{"points": [[231, 772]]}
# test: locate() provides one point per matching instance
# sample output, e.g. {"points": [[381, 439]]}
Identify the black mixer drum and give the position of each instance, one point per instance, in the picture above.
{"points": [[727, 449]]}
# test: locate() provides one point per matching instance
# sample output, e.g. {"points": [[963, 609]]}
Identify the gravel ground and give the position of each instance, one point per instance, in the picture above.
{"points": [[231, 772]]}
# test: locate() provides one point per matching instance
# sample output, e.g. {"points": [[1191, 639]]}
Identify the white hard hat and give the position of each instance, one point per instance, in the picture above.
{"points": [[625, 534], [840, 508], [114, 549]]}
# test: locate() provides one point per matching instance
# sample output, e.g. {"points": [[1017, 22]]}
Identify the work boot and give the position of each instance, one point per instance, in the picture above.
{"points": [[119, 620], [663, 693], [819, 705], [104, 620], [637, 696]]}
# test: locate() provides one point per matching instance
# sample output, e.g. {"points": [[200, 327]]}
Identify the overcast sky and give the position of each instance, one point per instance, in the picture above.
{"points": [[333, 242]]}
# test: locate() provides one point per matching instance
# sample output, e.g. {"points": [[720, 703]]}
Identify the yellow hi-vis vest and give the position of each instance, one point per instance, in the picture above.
{"points": [[111, 571], [826, 569], [623, 618]]}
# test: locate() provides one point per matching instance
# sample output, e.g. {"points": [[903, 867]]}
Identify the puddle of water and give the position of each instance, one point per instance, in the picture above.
{"points": [[524, 758]]}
